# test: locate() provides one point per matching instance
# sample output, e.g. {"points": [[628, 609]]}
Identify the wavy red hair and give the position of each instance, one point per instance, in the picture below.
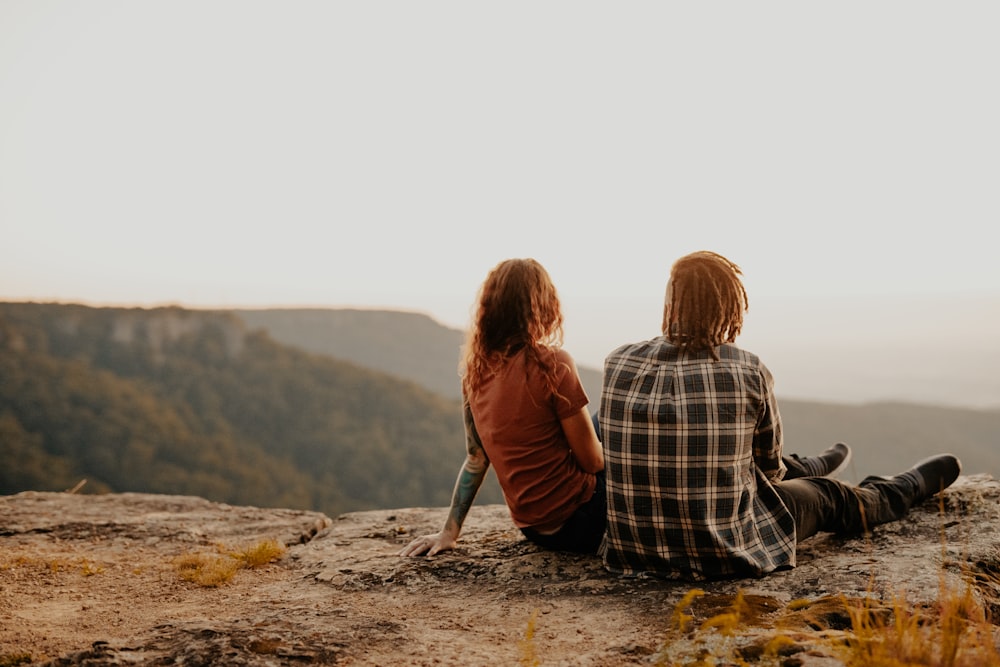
{"points": [[517, 308]]}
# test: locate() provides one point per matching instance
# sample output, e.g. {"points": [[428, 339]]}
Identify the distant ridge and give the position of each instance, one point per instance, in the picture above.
{"points": [[196, 402], [411, 346]]}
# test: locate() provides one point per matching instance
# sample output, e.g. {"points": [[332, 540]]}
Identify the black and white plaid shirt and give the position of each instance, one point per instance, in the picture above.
{"points": [[691, 445]]}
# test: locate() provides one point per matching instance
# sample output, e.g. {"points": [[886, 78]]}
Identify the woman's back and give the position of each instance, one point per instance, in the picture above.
{"points": [[518, 418]]}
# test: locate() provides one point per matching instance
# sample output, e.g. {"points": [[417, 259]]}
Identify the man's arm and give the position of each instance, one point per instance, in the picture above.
{"points": [[470, 478], [767, 439]]}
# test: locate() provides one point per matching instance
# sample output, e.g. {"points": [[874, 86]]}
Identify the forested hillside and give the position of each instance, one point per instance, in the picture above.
{"points": [[177, 401], [408, 345], [206, 403]]}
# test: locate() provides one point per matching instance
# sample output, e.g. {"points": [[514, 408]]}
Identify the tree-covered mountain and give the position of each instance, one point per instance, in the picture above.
{"points": [[884, 436], [190, 402], [209, 403]]}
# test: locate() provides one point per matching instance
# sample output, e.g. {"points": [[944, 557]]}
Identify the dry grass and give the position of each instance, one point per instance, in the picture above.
{"points": [[218, 569], [260, 554], [712, 642], [529, 656], [208, 570], [954, 632], [53, 565], [89, 569]]}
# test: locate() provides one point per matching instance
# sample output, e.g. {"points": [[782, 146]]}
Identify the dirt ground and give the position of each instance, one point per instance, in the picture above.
{"points": [[97, 591], [94, 580]]}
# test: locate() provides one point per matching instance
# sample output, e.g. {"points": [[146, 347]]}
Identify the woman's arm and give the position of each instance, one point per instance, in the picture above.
{"points": [[470, 478], [583, 442]]}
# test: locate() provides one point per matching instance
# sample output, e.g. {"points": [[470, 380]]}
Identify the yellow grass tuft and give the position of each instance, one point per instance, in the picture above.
{"points": [[213, 570], [707, 645], [206, 570], [680, 618], [777, 643], [529, 658], [260, 554], [89, 569], [727, 622], [801, 603]]}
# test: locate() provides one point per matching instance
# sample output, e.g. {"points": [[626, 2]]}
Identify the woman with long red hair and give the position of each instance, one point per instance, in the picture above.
{"points": [[526, 415]]}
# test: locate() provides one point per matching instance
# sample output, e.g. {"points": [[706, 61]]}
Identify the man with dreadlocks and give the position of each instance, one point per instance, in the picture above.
{"points": [[696, 482]]}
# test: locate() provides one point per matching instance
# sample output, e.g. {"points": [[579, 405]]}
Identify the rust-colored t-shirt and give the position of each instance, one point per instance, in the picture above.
{"points": [[518, 421]]}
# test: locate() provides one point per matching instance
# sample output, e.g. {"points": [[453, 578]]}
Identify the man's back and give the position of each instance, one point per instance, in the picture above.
{"points": [[689, 444]]}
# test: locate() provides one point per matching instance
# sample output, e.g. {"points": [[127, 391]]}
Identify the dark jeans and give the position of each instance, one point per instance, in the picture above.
{"points": [[823, 505], [583, 531]]}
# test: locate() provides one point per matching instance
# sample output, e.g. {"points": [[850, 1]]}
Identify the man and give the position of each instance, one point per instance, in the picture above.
{"points": [[696, 482]]}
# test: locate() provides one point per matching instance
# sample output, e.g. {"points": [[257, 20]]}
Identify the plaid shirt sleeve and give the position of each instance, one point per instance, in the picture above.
{"points": [[690, 445], [767, 437]]}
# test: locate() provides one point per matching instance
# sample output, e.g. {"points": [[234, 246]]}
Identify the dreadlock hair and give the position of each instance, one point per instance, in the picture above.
{"points": [[518, 308], [705, 302]]}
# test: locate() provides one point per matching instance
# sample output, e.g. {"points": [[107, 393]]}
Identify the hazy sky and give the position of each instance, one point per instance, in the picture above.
{"points": [[388, 154]]}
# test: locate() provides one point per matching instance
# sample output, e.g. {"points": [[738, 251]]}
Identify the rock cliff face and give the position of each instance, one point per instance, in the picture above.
{"points": [[94, 580]]}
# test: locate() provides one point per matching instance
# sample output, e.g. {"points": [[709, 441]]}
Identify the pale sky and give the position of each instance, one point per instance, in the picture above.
{"points": [[388, 154]]}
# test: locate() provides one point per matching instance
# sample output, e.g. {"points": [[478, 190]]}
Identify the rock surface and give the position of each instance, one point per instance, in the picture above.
{"points": [[93, 580]]}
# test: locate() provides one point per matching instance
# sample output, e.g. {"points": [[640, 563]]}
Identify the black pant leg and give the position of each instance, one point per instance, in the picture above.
{"points": [[823, 505]]}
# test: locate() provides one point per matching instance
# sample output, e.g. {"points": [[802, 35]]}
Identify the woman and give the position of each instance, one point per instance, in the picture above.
{"points": [[526, 414]]}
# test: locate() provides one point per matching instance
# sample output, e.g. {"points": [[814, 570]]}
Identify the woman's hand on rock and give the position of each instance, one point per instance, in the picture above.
{"points": [[429, 545]]}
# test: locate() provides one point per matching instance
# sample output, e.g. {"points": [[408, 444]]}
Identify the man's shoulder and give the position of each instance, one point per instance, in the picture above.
{"points": [[659, 351], [641, 349], [732, 352], [661, 347]]}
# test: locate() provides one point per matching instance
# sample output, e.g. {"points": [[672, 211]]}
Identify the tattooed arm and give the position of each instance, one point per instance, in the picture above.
{"points": [[470, 478]]}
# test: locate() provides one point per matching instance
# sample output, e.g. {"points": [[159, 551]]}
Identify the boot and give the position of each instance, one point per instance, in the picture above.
{"points": [[827, 464], [834, 459], [932, 475], [885, 499]]}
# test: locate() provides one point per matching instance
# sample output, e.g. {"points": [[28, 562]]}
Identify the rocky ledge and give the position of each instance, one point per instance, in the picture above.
{"points": [[93, 580]]}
